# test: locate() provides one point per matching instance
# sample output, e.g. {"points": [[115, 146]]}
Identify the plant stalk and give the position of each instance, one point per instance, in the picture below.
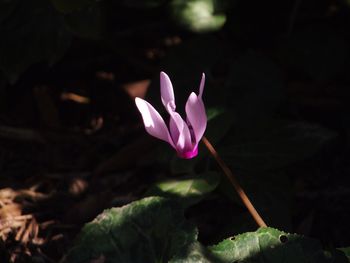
{"points": [[234, 183]]}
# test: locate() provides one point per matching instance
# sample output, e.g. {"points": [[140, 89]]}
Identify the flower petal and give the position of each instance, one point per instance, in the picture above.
{"points": [[174, 130], [196, 115], [153, 122], [167, 91], [180, 132], [201, 86]]}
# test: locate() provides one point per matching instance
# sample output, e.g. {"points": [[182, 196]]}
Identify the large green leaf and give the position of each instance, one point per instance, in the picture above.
{"points": [[154, 230], [31, 32], [149, 230], [270, 245], [189, 190]]}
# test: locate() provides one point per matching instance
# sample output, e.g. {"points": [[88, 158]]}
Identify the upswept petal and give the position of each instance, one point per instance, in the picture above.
{"points": [[180, 132], [196, 115], [174, 130], [167, 91], [153, 122], [201, 86]]}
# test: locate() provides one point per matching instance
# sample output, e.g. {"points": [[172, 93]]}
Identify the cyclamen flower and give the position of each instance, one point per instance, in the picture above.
{"points": [[183, 136]]}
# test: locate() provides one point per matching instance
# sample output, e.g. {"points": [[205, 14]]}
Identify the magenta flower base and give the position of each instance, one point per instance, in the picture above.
{"points": [[188, 155]]}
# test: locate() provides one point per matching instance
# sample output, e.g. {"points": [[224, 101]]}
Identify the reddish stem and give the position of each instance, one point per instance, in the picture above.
{"points": [[234, 183]]}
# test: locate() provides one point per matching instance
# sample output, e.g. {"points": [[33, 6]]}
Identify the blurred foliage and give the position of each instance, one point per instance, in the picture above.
{"points": [[188, 190], [199, 15]]}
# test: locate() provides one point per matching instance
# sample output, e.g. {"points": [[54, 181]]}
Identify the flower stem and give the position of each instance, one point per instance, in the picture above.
{"points": [[234, 183]]}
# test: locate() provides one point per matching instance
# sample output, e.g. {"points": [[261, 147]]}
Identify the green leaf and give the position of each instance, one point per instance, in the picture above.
{"points": [[270, 245], [34, 32], [189, 190], [149, 230], [271, 144], [198, 15]]}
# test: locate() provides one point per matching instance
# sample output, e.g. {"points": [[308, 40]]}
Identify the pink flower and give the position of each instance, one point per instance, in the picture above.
{"points": [[183, 136]]}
